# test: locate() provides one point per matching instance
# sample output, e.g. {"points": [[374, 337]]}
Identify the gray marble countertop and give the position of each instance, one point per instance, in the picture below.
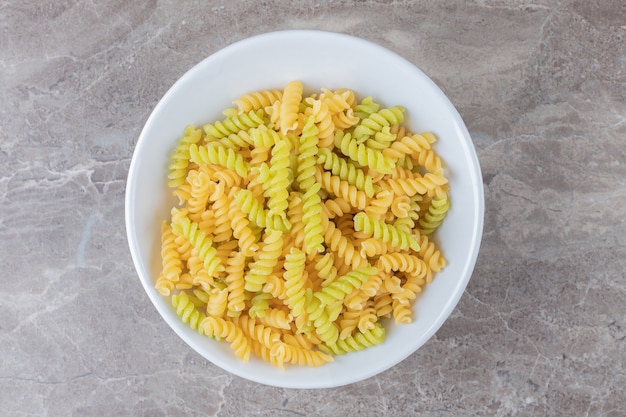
{"points": [[541, 328]]}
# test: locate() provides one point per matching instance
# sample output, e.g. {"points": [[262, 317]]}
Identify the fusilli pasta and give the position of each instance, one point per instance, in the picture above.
{"points": [[302, 223]]}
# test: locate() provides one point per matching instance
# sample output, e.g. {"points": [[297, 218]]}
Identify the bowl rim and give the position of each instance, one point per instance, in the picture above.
{"points": [[474, 165]]}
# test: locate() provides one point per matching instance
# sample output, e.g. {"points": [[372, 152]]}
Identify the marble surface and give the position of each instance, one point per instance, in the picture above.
{"points": [[541, 328]]}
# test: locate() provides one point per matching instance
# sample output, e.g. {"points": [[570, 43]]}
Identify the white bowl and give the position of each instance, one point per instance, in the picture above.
{"points": [[320, 60]]}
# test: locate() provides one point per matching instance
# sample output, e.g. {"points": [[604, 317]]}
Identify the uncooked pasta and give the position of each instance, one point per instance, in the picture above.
{"points": [[303, 224]]}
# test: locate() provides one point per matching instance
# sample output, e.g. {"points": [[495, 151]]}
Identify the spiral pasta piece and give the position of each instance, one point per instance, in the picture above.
{"points": [[408, 145], [295, 214], [180, 158], [323, 119], [217, 302], [325, 267], [229, 178], [362, 154], [382, 139], [339, 100], [235, 124], [264, 137], [325, 328], [344, 285], [412, 286], [294, 281], [204, 246], [311, 207], [222, 231], [380, 205], [347, 171], [383, 304], [171, 263], [367, 319], [344, 120], [338, 243], [372, 247], [277, 318], [369, 289], [402, 262], [241, 229], [195, 266], [184, 247], [311, 210], [342, 189], [238, 140], [256, 331], [250, 205], [297, 355], [437, 211], [431, 255], [199, 193], [265, 261], [235, 266], [257, 100], [375, 122], [164, 285], [415, 185], [292, 96], [187, 311], [348, 322], [358, 341], [225, 249], [219, 155], [404, 223], [336, 207], [259, 305], [366, 107], [402, 313], [218, 327], [275, 285], [385, 232], [429, 160], [185, 282], [276, 180], [401, 206]]}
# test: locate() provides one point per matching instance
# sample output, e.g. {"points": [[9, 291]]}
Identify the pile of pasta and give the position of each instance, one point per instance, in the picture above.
{"points": [[303, 221]]}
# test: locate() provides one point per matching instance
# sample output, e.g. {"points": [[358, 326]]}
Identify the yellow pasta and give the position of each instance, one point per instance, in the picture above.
{"points": [[257, 100], [292, 96], [200, 183], [235, 266], [302, 224], [218, 327], [171, 262]]}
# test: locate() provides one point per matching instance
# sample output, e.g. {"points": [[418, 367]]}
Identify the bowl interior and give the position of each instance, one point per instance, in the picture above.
{"points": [[319, 60]]}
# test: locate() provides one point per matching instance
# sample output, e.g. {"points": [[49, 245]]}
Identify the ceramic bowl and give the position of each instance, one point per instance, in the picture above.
{"points": [[320, 60]]}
